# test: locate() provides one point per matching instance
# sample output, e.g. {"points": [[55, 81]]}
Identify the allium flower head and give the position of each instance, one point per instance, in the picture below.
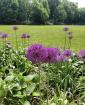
{"points": [[15, 28], [67, 53], [52, 54], [4, 35], [81, 54], [36, 53], [70, 36], [66, 28], [60, 58], [24, 36]]}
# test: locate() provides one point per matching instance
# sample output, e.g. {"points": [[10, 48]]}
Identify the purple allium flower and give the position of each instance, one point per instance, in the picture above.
{"points": [[15, 28], [67, 53], [52, 54], [70, 36], [4, 35], [60, 58], [66, 28], [25, 36], [81, 54], [36, 53]]}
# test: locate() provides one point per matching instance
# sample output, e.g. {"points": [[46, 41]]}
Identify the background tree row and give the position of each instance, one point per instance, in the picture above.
{"points": [[41, 12]]}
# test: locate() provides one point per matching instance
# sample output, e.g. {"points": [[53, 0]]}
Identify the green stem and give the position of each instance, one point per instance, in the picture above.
{"points": [[39, 68], [69, 43], [65, 42], [16, 40], [24, 42], [47, 88], [4, 42]]}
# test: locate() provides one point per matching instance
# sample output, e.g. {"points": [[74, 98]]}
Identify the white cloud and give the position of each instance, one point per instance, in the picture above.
{"points": [[81, 3]]}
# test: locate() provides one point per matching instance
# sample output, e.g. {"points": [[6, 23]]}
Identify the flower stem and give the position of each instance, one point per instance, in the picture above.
{"points": [[16, 40], [69, 43], [65, 42], [47, 88], [39, 69]]}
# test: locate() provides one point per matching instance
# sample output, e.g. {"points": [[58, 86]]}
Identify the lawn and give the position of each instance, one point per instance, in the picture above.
{"points": [[47, 35]]}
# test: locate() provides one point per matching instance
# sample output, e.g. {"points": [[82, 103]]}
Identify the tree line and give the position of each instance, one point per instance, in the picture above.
{"points": [[41, 12]]}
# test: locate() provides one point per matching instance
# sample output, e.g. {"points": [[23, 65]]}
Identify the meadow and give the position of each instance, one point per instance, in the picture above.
{"points": [[52, 35]]}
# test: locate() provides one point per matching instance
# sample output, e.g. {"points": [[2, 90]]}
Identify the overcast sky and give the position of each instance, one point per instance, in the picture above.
{"points": [[80, 2]]}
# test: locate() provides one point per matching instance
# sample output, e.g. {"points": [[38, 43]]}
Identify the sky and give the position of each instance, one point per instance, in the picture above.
{"points": [[81, 3]]}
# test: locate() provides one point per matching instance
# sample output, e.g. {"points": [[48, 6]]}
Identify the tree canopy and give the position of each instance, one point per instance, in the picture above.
{"points": [[40, 12]]}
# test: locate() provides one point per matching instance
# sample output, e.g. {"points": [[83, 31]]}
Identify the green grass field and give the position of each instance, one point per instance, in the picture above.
{"points": [[52, 36]]}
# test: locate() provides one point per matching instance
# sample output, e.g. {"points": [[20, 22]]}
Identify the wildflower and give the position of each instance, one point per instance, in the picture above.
{"points": [[67, 53], [36, 53], [25, 36], [60, 58], [81, 54], [66, 28], [15, 28], [4, 35], [52, 54]]}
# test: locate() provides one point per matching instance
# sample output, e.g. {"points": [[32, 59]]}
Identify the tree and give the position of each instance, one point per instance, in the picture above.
{"points": [[23, 10], [39, 14], [52, 5], [72, 11], [45, 5], [59, 14], [81, 15], [8, 11]]}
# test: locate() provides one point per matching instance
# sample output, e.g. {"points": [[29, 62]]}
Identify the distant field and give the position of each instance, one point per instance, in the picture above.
{"points": [[52, 36]]}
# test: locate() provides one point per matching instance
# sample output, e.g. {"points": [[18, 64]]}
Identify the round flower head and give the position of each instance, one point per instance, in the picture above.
{"points": [[24, 36], [66, 28], [15, 28], [60, 58], [70, 36], [52, 53], [67, 53], [4, 35], [36, 53], [81, 54]]}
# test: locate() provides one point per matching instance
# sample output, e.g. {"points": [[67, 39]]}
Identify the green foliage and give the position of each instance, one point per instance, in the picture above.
{"points": [[14, 11], [23, 11], [17, 84], [8, 11], [72, 12], [68, 77], [82, 15], [40, 12], [59, 14], [52, 5]]}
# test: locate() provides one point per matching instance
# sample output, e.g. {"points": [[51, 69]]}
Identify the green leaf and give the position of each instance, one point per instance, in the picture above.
{"points": [[36, 94], [30, 88], [27, 103], [29, 78], [9, 78]]}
